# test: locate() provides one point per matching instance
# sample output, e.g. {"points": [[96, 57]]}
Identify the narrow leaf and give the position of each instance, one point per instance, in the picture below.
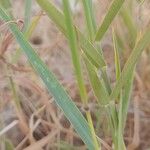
{"points": [[97, 84], [76, 61], [74, 50], [127, 95], [129, 23], [111, 14], [117, 59], [131, 63], [58, 18], [120, 141], [61, 97], [95, 57], [90, 19], [27, 34]]}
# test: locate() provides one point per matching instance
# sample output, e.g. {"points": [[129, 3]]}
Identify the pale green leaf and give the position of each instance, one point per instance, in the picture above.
{"points": [[27, 14], [96, 83], [74, 50], [131, 62], [111, 14], [62, 99], [58, 18], [90, 19]]}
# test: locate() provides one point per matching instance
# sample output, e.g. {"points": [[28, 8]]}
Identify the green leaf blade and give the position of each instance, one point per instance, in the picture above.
{"points": [[116, 56], [97, 85], [90, 19], [58, 18], [27, 15], [61, 97], [131, 62], [74, 50], [111, 14], [130, 24]]}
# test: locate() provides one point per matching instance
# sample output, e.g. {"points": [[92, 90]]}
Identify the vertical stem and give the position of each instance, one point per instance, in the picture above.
{"points": [[77, 66]]}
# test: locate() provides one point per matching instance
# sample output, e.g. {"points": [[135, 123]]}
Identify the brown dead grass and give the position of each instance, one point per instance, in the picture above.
{"points": [[41, 123]]}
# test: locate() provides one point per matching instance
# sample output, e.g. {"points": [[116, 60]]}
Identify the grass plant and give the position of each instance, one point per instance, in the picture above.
{"points": [[86, 54]]}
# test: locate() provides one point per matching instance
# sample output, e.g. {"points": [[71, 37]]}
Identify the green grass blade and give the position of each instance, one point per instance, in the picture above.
{"points": [[32, 26], [58, 18], [5, 3], [91, 28], [90, 19], [76, 61], [97, 85], [27, 14], [91, 52], [126, 96], [111, 14], [94, 56], [126, 14], [74, 50], [131, 63], [116, 54], [54, 13], [120, 141], [126, 79], [123, 109], [61, 97], [129, 23], [90, 122], [27, 34]]}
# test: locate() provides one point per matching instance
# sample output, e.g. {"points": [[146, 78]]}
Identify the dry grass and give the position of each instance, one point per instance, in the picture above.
{"points": [[41, 124]]}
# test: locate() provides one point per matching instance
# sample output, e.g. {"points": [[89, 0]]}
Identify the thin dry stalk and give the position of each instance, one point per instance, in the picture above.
{"points": [[41, 143]]}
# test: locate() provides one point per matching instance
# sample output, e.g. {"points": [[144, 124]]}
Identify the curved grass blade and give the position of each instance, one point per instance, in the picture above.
{"points": [[111, 14], [91, 28], [97, 85], [90, 19], [129, 23], [95, 57], [58, 18], [27, 34], [62, 99], [126, 77], [100, 91], [131, 63]]}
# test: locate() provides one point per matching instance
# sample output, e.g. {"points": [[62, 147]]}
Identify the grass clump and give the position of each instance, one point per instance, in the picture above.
{"points": [[86, 53]]}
